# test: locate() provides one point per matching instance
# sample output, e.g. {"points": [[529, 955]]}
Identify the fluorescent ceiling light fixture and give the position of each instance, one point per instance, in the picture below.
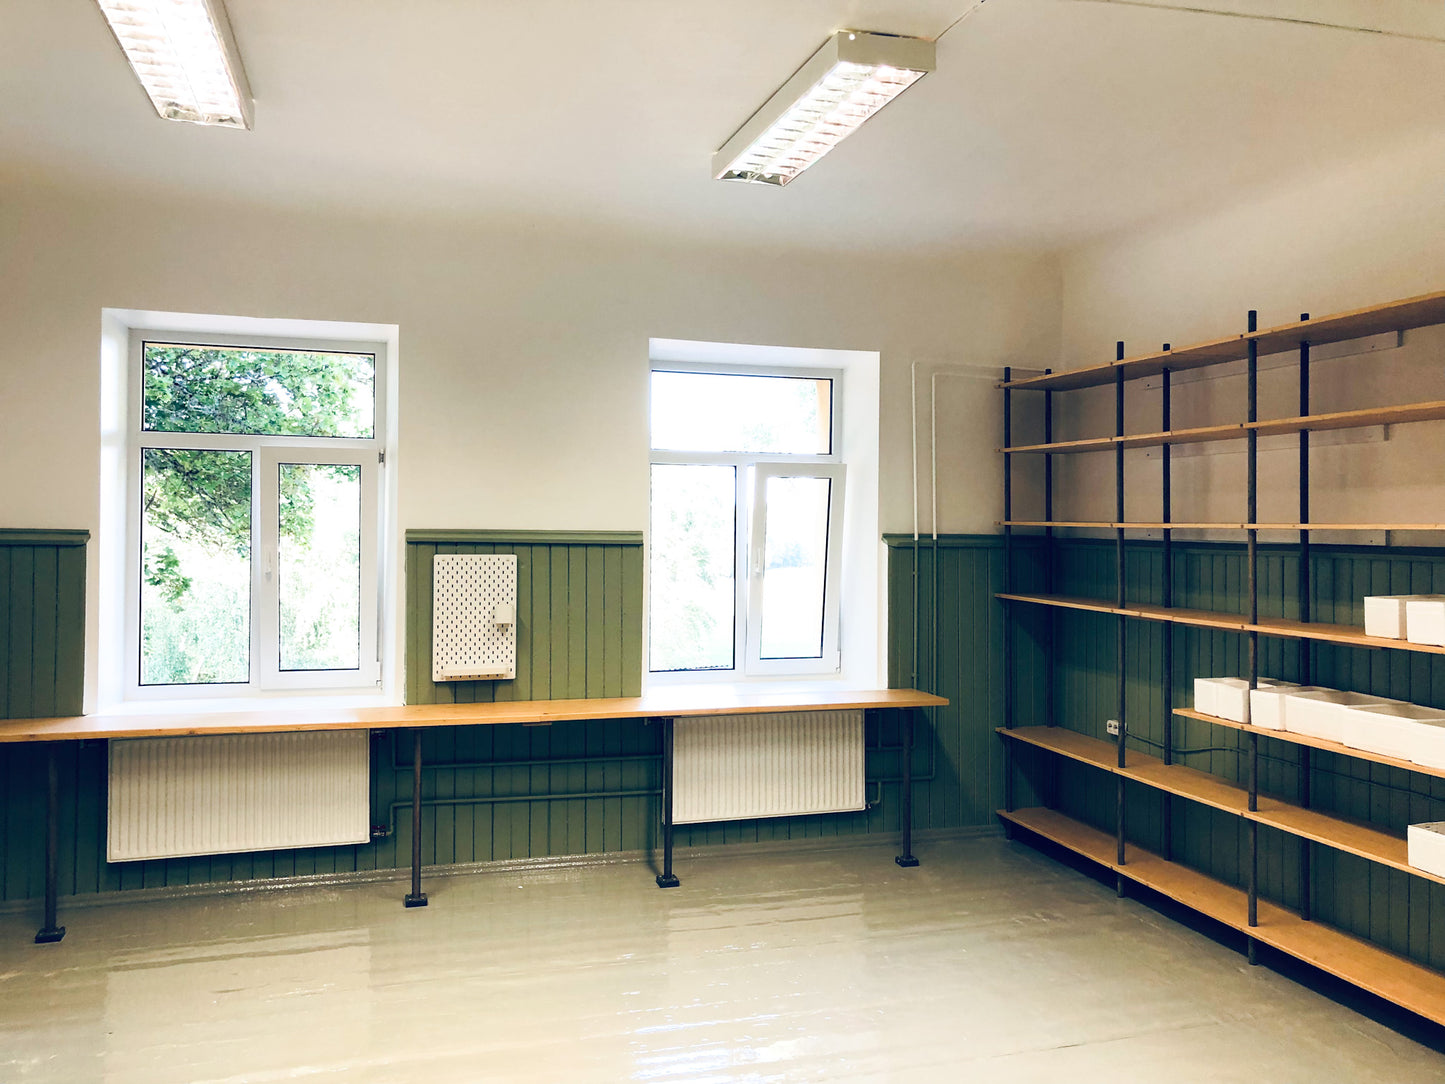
{"points": [[852, 76], [185, 57]]}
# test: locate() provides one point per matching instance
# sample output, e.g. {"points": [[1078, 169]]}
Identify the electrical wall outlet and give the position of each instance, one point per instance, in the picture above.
{"points": [[1112, 726]]}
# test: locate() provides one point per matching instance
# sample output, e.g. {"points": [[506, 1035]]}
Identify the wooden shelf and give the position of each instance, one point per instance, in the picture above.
{"points": [[1070, 743], [1343, 419], [1312, 742], [1340, 833], [1402, 315], [1407, 984], [1198, 356], [1286, 628], [1138, 525]]}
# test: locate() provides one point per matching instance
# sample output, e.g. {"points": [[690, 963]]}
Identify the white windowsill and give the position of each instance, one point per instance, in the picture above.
{"points": [[197, 705], [757, 686]]}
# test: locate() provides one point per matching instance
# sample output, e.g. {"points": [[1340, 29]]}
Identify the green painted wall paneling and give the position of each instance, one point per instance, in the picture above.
{"points": [[1387, 906], [510, 791], [42, 667], [579, 615], [489, 792], [42, 622], [954, 587]]}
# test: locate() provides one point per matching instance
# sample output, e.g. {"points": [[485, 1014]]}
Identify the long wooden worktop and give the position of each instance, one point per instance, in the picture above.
{"points": [[664, 705], [673, 703]]}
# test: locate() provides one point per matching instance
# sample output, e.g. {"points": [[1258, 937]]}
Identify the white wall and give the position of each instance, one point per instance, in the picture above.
{"points": [[523, 345], [1363, 233]]}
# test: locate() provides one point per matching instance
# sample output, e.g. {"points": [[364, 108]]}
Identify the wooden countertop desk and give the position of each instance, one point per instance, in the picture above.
{"points": [[664, 705]]}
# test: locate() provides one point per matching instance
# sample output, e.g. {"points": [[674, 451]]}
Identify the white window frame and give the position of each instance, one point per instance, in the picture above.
{"points": [[829, 659], [267, 453], [750, 525]]}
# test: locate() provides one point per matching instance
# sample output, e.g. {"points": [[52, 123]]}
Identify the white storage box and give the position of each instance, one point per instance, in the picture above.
{"points": [[1427, 745], [1320, 714], [1231, 699], [1425, 847], [1392, 730], [1204, 696], [1385, 614], [1226, 697], [1425, 620], [1267, 703]]}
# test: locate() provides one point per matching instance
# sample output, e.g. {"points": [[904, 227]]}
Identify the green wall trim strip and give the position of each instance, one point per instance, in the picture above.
{"points": [[528, 538], [14, 536], [953, 541]]}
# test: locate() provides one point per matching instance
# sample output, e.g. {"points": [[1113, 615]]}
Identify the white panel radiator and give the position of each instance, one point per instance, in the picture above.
{"points": [[171, 797], [734, 767]]}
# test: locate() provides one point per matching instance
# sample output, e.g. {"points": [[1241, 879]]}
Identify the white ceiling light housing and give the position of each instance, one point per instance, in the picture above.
{"points": [[853, 75], [185, 57]]}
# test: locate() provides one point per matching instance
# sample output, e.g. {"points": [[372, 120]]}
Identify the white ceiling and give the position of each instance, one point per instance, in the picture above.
{"points": [[1048, 121]]}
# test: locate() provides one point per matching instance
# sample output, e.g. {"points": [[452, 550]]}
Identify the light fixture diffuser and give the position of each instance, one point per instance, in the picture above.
{"points": [[852, 76], [184, 55]]}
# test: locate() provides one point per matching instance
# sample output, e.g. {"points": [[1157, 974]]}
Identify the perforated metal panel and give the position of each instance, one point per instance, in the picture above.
{"points": [[474, 607]]}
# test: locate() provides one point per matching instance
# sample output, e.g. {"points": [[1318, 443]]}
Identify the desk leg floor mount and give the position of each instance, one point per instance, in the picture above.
{"points": [[906, 859], [667, 879], [52, 931]]}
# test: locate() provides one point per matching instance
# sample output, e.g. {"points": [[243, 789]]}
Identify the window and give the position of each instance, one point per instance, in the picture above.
{"points": [[253, 512], [746, 529]]}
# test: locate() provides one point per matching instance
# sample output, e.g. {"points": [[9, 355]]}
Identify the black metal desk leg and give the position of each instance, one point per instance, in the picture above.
{"points": [[906, 858], [51, 932], [667, 879], [416, 897]]}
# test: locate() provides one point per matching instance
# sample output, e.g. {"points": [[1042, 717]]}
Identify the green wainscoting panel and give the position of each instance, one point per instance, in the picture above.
{"points": [[952, 595], [1402, 913], [579, 615], [42, 673], [42, 622], [506, 792]]}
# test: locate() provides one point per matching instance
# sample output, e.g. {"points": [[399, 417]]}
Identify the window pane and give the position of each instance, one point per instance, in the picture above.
{"points": [[721, 412], [224, 389], [318, 566], [195, 567], [795, 559], [693, 547]]}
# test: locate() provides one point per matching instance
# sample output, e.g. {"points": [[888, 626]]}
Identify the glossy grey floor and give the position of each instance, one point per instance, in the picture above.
{"points": [[990, 962]]}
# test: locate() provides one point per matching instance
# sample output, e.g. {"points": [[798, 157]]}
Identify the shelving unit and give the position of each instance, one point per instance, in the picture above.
{"points": [[1353, 837], [1383, 974], [1405, 982]]}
